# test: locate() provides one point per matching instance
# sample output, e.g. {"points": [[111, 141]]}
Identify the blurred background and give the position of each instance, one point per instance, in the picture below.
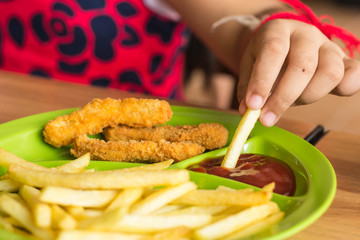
{"points": [[215, 87]]}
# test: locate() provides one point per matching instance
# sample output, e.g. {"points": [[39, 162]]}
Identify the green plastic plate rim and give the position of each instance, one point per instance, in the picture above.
{"points": [[317, 179]]}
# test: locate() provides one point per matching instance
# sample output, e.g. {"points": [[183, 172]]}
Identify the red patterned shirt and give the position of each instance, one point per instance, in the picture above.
{"points": [[117, 43]]}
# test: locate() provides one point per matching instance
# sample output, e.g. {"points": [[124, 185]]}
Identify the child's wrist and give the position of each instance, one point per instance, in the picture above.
{"points": [[303, 13]]}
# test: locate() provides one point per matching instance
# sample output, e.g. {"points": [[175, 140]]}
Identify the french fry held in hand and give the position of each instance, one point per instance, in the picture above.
{"points": [[242, 132], [145, 202]]}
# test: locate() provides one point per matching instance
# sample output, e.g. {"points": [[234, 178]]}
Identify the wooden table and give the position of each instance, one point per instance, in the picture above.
{"points": [[22, 96]]}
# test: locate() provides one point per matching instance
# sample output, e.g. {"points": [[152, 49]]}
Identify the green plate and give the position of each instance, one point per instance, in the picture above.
{"points": [[315, 177]]}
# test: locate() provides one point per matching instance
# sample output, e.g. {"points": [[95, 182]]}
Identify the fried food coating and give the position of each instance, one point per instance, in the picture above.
{"points": [[209, 135], [100, 113], [134, 151]]}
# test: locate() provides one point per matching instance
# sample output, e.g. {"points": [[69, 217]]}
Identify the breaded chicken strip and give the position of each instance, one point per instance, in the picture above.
{"points": [[100, 113], [209, 135], [135, 151]]}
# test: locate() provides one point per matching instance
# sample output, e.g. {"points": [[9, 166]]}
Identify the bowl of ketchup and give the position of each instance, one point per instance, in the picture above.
{"points": [[255, 169]]}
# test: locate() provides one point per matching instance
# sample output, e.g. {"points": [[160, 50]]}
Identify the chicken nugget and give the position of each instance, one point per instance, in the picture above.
{"points": [[209, 135], [135, 151], [100, 113]]}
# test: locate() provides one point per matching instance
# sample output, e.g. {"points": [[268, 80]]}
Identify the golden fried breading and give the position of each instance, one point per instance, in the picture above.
{"points": [[209, 135], [100, 113], [135, 151]]}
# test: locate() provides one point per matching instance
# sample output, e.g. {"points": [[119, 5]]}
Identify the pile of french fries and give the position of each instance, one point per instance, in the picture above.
{"points": [[72, 201]]}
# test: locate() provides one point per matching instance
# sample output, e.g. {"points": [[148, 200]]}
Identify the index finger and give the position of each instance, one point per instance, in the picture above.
{"points": [[270, 54]]}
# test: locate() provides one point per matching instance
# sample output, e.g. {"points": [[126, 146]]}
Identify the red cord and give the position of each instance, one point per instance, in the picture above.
{"points": [[305, 14]]}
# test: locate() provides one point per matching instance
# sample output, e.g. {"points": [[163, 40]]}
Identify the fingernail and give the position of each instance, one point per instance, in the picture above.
{"points": [[255, 102], [269, 119]]}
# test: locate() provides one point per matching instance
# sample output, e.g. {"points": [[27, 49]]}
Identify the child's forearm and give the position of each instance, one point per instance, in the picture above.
{"points": [[229, 40]]}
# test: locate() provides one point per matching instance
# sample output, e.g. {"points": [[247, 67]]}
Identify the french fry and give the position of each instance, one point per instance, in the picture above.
{"points": [[237, 221], [7, 223], [74, 210], [5, 176], [154, 223], [72, 197], [269, 188], [243, 198], [153, 166], [76, 165], [13, 222], [16, 196], [242, 132], [86, 213], [8, 158], [11, 225], [224, 188], [148, 202], [256, 227], [9, 185], [41, 211], [103, 221], [94, 235], [114, 179], [21, 213], [168, 209], [214, 209], [125, 199], [229, 211], [61, 219], [173, 234], [161, 198]]}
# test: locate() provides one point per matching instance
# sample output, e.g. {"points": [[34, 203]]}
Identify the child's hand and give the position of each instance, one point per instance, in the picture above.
{"points": [[290, 62]]}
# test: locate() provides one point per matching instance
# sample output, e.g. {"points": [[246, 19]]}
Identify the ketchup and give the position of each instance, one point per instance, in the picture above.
{"points": [[254, 169]]}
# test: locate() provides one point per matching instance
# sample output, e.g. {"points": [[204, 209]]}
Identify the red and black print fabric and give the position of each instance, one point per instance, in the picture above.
{"points": [[116, 43]]}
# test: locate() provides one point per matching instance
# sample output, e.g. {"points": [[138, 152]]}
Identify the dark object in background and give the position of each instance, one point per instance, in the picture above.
{"points": [[349, 2], [198, 56], [316, 134]]}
